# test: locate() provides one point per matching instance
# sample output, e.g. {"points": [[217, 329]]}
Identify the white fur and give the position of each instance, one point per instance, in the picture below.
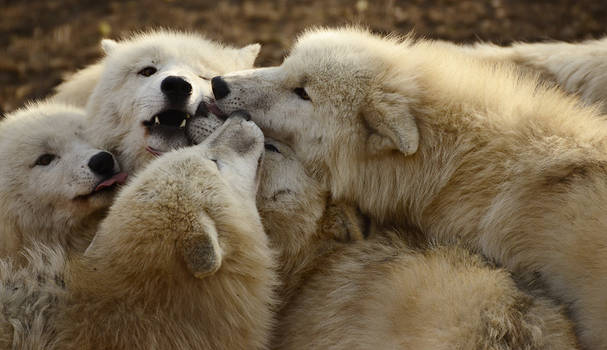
{"points": [[121, 100], [47, 203]]}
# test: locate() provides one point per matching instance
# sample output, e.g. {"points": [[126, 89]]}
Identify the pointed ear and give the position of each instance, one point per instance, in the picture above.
{"points": [[392, 125], [248, 54], [201, 251], [108, 45]]}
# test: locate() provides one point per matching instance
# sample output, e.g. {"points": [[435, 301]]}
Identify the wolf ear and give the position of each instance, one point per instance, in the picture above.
{"points": [[108, 45], [392, 125], [248, 54], [201, 251]]}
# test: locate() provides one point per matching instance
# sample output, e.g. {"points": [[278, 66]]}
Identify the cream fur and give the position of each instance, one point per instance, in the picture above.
{"points": [[54, 203], [419, 133], [181, 262], [120, 101], [579, 68], [342, 291]]}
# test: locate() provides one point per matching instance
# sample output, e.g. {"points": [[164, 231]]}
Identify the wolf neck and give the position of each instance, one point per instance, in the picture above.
{"points": [[12, 240], [429, 189]]}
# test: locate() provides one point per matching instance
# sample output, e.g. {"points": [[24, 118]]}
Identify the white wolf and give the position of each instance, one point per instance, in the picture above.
{"points": [[419, 133], [53, 182], [180, 262], [146, 86]]}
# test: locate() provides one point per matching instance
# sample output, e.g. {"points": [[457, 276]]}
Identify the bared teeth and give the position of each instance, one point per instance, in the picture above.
{"points": [[169, 118]]}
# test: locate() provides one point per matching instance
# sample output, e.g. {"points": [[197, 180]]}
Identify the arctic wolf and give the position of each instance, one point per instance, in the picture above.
{"points": [[55, 185], [147, 86], [181, 262], [418, 133]]}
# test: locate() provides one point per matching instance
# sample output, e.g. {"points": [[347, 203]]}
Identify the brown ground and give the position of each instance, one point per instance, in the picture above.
{"points": [[43, 39]]}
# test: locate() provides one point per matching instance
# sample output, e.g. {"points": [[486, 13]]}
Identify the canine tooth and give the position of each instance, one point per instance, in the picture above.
{"points": [[182, 125], [156, 120]]}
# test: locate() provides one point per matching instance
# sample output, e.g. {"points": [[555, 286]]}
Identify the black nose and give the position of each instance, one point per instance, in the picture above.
{"points": [[220, 88], [176, 89], [102, 163]]}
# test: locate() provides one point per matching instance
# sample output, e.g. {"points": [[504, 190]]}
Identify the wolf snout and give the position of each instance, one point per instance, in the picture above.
{"points": [[176, 89], [102, 163], [220, 88], [244, 135]]}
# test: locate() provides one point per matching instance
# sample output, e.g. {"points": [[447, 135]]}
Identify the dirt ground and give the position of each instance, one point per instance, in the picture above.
{"points": [[41, 40]]}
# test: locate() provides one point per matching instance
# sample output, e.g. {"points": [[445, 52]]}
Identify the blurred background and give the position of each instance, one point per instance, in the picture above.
{"points": [[41, 40]]}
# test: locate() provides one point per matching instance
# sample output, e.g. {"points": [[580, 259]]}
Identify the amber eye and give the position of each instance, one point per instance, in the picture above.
{"points": [[301, 92], [45, 159], [147, 71]]}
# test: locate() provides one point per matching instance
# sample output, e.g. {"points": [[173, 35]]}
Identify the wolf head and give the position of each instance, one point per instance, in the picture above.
{"points": [[150, 84], [336, 90], [52, 179]]}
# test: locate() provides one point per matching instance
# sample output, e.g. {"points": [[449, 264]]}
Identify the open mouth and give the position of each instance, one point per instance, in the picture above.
{"points": [[172, 129], [169, 118], [106, 185], [165, 131]]}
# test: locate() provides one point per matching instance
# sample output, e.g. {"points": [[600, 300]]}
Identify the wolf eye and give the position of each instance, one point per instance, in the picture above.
{"points": [[147, 71], [301, 92], [271, 148], [216, 163], [45, 159]]}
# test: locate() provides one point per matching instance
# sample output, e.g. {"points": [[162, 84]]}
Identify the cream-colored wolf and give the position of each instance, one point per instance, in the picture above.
{"points": [[420, 133]]}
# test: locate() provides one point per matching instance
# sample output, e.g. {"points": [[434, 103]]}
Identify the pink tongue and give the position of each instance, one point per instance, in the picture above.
{"points": [[119, 178]]}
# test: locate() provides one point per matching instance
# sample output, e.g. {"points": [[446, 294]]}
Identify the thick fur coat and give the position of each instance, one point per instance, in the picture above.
{"points": [[419, 133]]}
